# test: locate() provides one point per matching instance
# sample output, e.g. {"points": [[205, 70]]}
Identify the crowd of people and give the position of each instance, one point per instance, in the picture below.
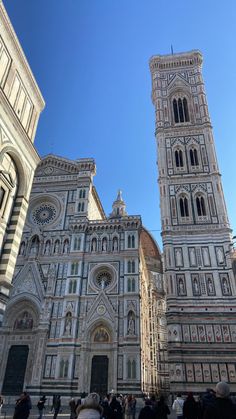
{"points": [[214, 404]]}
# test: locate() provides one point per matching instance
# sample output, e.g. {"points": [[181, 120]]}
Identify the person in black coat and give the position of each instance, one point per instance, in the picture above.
{"points": [[223, 407], [191, 408], [147, 411], [116, 407], [22, 407], [161, 409]]}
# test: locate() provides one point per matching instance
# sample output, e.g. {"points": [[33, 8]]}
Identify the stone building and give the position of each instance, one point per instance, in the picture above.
{"points": [[78, 315], [201, 316], [20, 106]]}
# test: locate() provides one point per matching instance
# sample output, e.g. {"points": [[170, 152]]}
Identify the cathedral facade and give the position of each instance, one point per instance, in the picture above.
{"points": [[78, 318], [201, 319]]}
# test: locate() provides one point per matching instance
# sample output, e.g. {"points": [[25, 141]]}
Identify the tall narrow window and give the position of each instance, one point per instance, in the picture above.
{"points": [[175, 107], [200, 204], [193, 157], [183, 206], [180, 109], [186, 113], [181, 112], [179, 158]]}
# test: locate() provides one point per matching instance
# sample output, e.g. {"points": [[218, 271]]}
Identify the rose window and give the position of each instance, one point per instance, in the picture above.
{"points": [[103, 279], [44, 214]]}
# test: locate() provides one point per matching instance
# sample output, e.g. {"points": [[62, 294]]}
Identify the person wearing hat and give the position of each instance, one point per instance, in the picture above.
{"points": [[223, 407], [91, 408], [41, 406]]}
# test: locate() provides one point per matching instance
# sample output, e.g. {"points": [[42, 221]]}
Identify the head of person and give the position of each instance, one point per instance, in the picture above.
{"points": [[179, 395], [162, 399], [91, 408], [222, 390], [190, 396]]}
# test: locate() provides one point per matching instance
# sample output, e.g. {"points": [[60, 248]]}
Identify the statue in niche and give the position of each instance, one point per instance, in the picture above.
{"points": [[68, 325], [205, 255], [192, 257], [196, 286], [94, 245], [56, 247], [181, 287], [225, 286], [115, 244], [101, 335], [210, 286], [178, 255], [104, 245], [22, 249], [66, 246], [220, 256], [34, 248], [131, 324], [24, 321], [47, 248]]}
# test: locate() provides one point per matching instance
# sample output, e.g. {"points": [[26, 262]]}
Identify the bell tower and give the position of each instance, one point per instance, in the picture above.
{"points": [[196, 233]]}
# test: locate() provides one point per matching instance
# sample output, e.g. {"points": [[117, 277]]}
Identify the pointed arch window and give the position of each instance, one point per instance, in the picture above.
{"points": [[131, 368], [131, 241], [183, 207], [179, 162], [180, 109], [201, 207], [193, 154], [131, 266]]}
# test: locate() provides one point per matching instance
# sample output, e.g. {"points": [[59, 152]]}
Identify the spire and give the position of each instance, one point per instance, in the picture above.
{"points": [[118, 206]]}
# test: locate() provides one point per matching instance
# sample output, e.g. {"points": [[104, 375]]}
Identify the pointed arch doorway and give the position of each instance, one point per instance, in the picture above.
{"points": [[15, 370], [99, 374]]}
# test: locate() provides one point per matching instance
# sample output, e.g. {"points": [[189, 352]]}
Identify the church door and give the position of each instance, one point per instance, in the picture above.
{"points": [[99, 374], [15, 371]]}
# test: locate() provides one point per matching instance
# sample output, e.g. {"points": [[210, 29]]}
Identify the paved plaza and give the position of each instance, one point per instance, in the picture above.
{"points": [[8, 411]]}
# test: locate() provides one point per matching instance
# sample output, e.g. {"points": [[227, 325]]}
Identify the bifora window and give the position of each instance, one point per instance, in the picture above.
{"points": [[180, 108], [179, 162], [201, 207], [183, 206], [193, 157]]}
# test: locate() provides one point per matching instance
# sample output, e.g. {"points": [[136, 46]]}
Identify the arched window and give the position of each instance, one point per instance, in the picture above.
{"points": [[131, 285], [77, 243], [201, 207], [179, 158], [64, 367], [74, 268], [193, 157], [131, 368], [131, 241], [180, 109], [183, 206]]}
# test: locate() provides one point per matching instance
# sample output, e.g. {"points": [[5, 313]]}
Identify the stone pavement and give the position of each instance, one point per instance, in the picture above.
{"points": [[7, 413]]}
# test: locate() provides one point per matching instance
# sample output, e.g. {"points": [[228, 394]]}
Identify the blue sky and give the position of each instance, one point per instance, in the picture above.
{"points": [[91, 61]]}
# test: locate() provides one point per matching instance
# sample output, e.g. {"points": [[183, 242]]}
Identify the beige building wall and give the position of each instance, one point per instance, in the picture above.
{"points": [[20, 106]]}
